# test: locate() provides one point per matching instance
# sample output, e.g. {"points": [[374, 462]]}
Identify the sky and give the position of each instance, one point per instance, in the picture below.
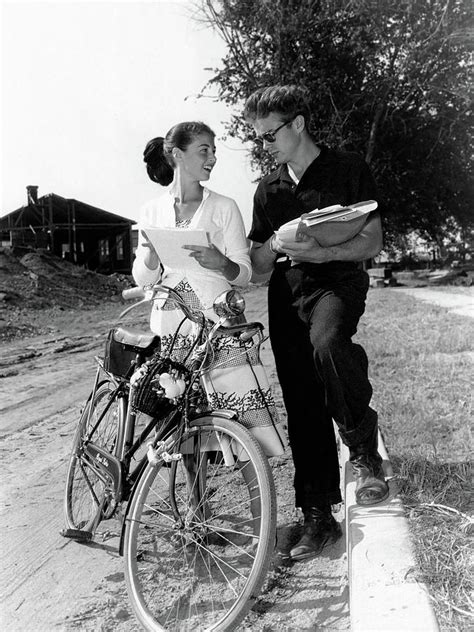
{"points": [[86, 84]]}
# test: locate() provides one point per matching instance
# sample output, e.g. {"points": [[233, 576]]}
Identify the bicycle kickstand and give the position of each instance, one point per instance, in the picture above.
{"points": [[81, 535]]}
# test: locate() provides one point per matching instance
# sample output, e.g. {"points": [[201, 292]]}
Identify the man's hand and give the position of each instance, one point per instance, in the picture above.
{"points": [[306, 248]]}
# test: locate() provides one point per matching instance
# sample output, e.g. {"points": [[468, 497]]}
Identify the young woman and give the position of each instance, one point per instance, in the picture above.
{"points": [[181, 161]]}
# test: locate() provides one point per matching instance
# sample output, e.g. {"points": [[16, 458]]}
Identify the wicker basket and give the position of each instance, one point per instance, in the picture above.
{"points": [[148, 396]]}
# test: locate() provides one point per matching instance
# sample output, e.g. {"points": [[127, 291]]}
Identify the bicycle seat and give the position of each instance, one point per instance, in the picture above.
{"points": [[139, 340]]}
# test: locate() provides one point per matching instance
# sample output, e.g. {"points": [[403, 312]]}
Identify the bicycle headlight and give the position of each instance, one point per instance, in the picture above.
{"points": [[229, 304]]}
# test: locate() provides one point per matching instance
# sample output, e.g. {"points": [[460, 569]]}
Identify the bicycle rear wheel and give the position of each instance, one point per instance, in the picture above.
{"points": [[200, 534], [85, 488]]}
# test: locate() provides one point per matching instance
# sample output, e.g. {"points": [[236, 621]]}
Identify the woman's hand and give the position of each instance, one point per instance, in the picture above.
{"points": [[213, 259], [150, 258]]}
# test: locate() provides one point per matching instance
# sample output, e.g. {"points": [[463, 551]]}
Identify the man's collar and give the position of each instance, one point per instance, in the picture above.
{"points": [[281, 173]]}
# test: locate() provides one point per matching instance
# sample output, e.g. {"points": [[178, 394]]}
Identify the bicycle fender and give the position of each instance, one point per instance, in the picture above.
{"points": [[224, 413]]}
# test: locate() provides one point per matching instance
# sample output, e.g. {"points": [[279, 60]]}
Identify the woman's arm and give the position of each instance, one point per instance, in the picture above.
{"points": [[236, 244], [146, 267], [230, 258]]}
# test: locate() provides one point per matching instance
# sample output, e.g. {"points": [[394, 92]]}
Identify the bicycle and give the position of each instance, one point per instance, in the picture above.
{"points": [[195, 489]]}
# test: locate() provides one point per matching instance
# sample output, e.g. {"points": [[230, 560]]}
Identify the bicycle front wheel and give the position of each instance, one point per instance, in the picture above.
{"points": [[200, 534], [85, 489]]}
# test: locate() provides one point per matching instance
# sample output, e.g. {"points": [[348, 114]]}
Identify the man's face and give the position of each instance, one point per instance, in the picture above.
{"points": [[277, 136]]}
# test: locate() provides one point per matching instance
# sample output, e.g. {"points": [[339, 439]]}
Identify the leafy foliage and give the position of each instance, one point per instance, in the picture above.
{"points": [[386, 78]]}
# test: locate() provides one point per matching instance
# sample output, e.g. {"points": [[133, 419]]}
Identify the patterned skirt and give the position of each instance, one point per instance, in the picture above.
{"points": [[235, 379]]}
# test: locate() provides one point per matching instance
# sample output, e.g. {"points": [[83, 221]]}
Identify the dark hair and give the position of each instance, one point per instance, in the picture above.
{"points": [[157, 155], [288, 101]]}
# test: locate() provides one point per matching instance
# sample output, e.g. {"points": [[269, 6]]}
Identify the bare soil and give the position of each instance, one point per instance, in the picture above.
{"points": [[53, 319], [50, 335]]}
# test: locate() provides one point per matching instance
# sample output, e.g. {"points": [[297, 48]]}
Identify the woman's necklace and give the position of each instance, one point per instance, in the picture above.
{"points": [[186, 210]]}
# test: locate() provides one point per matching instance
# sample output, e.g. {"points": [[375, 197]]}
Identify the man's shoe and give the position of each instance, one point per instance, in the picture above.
{"points": [[320, 528], [371, 487]]}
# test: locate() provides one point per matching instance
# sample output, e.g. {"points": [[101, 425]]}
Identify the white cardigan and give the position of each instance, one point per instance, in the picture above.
{"points": [[220, 217]]}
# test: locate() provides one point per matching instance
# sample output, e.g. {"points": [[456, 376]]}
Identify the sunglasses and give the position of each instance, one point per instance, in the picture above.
{"points": [[270, 136]]}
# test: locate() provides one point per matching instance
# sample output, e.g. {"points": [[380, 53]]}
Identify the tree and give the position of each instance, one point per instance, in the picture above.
{"points": [[386, 78]]}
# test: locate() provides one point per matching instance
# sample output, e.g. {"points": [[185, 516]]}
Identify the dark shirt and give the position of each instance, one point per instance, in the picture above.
{"points": [[334, 177]]}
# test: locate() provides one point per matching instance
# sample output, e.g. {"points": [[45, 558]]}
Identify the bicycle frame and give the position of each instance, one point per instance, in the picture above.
{"points": [[192, 487], [114, 469]]}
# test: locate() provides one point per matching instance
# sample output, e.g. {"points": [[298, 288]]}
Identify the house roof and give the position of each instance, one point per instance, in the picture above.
{"points": [[64, 211]]}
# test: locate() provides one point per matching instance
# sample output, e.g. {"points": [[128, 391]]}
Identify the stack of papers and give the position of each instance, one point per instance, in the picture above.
{"points": [[169, 242], [336, 213]]}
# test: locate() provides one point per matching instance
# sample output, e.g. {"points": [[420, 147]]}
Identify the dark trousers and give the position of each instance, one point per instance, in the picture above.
{"points": [[322, 373]]}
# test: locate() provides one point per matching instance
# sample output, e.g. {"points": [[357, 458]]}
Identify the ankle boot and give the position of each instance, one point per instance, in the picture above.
{"points": [[319, 529], [366, 462], [371, 487]]}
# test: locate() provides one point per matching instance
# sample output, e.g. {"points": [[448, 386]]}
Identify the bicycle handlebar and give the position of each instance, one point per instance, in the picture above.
{"points": [[132, 293], [245, 331], [151, 293]]}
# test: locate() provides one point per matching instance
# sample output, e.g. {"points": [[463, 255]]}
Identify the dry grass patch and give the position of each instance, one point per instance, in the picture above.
{"points": [[421, 363], [434, 494]]}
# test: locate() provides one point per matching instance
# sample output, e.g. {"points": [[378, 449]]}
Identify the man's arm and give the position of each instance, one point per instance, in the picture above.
{"points": [[262, 256], [365, 245]]}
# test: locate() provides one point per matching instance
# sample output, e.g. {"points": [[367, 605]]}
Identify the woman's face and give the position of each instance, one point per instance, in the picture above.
{"points": [[199, 158]]}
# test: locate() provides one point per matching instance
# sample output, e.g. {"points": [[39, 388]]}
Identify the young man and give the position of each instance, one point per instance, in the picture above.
{"points": [[316, 297]]}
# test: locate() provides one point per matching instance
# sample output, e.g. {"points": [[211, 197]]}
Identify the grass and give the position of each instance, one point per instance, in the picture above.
{"points": [[434, 493], [421, 361]]}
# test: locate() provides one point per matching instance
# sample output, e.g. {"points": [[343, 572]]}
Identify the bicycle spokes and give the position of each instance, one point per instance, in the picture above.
{"points": [[200, 533]]}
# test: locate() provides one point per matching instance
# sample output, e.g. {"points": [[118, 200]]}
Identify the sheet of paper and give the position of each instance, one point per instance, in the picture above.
{"points": [[169, 242], [340, 213]]}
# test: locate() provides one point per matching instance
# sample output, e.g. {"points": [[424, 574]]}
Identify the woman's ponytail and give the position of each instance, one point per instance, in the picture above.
{"points": [[158, 168]]}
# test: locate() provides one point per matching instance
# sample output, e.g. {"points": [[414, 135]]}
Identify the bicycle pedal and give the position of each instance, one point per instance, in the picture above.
{"points": [[77, 534]]}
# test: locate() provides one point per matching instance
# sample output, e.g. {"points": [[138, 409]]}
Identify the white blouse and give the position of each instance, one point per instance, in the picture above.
{"points": [[220, 217]]}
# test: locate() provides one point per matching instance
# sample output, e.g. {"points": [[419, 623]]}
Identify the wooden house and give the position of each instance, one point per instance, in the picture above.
{"points": [[81, 233]]}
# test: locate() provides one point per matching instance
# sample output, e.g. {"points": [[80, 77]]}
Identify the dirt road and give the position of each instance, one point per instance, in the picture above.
{"points": [[456, 302], [48, 583]]}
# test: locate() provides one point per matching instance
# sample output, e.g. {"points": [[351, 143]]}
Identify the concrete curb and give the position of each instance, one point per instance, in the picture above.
{"points": [[382, 593]]}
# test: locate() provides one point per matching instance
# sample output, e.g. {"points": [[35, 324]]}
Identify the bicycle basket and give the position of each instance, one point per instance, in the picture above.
{"points": [[149, 396]]}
